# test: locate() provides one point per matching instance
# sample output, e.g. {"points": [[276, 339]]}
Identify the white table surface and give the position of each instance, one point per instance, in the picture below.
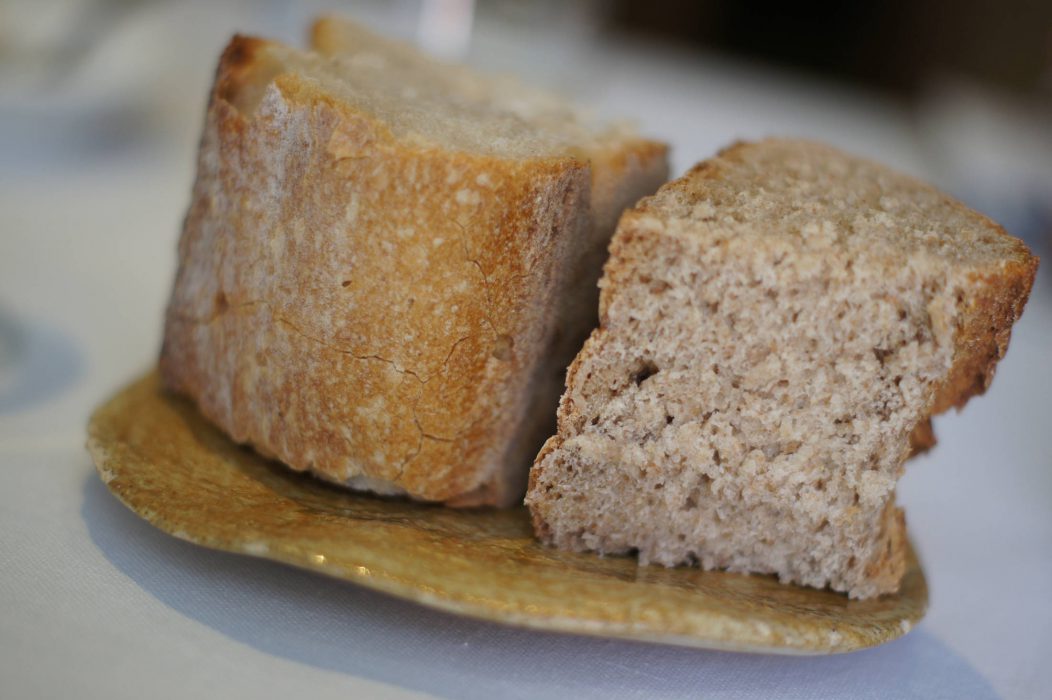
{"points": [[95, 603]]}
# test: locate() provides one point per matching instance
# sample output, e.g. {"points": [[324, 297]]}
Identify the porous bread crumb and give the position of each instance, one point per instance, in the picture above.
{"points": [[776, 325]]}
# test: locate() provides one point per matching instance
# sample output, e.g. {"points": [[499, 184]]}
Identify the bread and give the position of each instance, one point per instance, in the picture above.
{"points": [[373, 272], [775, 326]]}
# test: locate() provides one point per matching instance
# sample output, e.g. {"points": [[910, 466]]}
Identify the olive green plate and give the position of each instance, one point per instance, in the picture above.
{"points": [[175, 470]]}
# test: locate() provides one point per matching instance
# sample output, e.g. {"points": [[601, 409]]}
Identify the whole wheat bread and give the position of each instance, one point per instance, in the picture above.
{"points": [[374, 271], [775, 326]]}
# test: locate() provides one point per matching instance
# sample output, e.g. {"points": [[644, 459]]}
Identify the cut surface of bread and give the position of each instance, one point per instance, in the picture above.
{"points": [[372, 271], [777, 328]]}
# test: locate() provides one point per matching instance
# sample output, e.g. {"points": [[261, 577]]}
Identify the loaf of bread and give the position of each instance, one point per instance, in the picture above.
{"points": [[388, 263], [777, 328]]}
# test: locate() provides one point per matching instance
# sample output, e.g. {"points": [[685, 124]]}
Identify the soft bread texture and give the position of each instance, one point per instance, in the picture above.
{"points": [[373, 270], [777, 329]]}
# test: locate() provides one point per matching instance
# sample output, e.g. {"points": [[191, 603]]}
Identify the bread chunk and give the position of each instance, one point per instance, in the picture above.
{"points": [[374, 270], [777, 328]]}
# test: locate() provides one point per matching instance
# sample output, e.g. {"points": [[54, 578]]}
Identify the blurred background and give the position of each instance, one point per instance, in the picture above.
{"points": [[101, 106], [958, 92], [101, 103]]}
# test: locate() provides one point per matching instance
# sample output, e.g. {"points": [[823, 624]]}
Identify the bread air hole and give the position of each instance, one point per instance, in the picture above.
{"points": [[645, 372]]}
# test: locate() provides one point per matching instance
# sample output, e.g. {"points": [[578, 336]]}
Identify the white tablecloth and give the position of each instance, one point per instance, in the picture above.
{"points": [[98, 604]]}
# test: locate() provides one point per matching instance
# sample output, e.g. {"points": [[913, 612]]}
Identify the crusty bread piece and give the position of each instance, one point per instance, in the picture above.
{"points": [[775, 325], [372, 267], [624, 168]]}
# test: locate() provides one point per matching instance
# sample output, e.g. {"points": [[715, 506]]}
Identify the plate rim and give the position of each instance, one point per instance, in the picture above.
{"points": [[101, 451]]}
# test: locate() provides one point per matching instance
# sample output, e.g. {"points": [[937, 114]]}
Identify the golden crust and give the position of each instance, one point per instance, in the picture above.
{"points": [[922, 438], [623, 168], [619, 175], [347, 323], [985, 326], [362, 306]]}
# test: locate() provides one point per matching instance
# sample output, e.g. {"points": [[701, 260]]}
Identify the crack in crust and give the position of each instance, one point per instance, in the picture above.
{"points": [[277, 318], [488, 314], [434, 267], [219, 313]]}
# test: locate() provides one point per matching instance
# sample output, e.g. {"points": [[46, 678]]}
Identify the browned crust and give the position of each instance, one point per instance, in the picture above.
{"points": [[541, 529], [985, 327], [360, 306], [325, 36], [623, 168], [243, 73], [332, 35], [922, 438], [347, 360], [619, 176], [237, 63], [885, 571]]}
